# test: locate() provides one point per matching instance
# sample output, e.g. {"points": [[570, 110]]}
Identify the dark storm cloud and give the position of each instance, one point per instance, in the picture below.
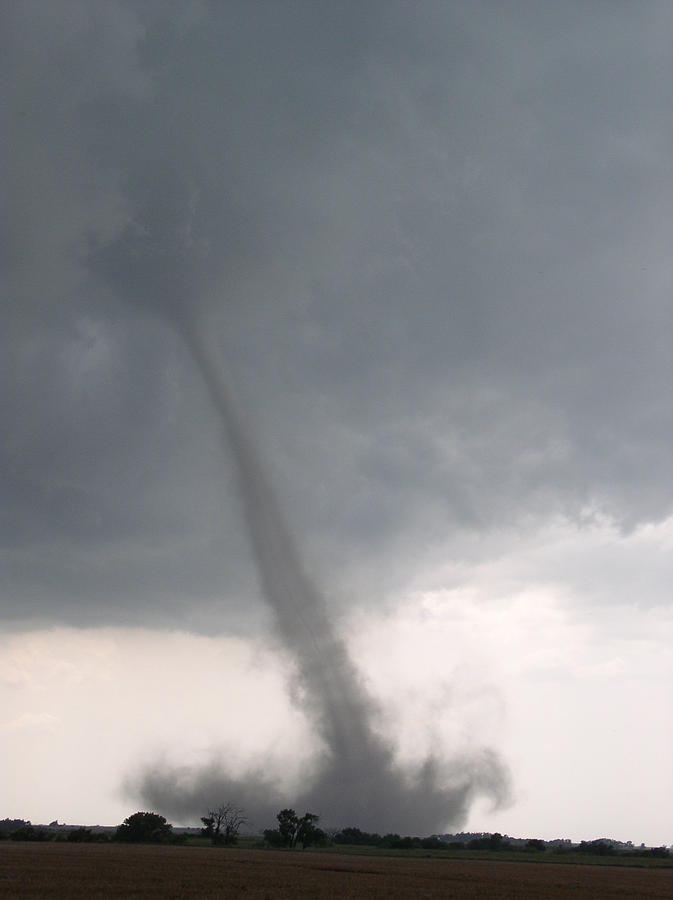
{"points": [[432, 243]]}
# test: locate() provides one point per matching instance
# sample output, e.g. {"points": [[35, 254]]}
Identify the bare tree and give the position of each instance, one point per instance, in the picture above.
{"points": [[222, 824]]}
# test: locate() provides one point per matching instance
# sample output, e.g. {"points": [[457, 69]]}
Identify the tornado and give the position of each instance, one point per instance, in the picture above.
{"points": [[158, 263], [357, 780], [338, 706]]}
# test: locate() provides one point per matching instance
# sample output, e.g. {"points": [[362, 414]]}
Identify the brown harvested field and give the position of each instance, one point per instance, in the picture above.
{"points": [[95, 870]]}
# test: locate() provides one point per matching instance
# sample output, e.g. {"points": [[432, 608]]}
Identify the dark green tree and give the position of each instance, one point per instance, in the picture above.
{"points": [[145, 827], [292, 830], [308, 833], [288, 823]]}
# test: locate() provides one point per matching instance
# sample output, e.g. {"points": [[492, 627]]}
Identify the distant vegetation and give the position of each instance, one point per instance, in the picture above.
{"points": [[222, 825], [496, 842]]}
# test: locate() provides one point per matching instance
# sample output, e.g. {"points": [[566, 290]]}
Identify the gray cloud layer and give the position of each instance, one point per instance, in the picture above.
{"points": [[432, 243]]}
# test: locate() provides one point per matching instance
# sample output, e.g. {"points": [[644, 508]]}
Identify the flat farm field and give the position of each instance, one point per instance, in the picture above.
{"points": [[99, 870]]}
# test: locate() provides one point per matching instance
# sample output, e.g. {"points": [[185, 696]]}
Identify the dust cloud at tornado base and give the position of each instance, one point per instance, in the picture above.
{"points": [[357, 780]]}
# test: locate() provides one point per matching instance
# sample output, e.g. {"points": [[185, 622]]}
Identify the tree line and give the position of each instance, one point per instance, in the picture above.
{"points": [[222, 825]]}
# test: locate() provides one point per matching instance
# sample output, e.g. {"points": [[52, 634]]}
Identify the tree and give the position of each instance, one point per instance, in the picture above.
{"points": [[308, 833], [352, 835], [288, 823], [223, 824], [144, 827], [489, 842], [292, 830]]}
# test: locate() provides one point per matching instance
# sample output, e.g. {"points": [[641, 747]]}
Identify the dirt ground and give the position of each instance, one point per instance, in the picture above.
{"points": [[99, 870]]}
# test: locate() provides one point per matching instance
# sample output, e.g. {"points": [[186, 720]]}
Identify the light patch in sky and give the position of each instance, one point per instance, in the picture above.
{"points": [[581, 708], [84, 708]]}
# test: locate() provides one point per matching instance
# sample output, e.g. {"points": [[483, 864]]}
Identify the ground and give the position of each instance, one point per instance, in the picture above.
{"points": [[111, 870]]}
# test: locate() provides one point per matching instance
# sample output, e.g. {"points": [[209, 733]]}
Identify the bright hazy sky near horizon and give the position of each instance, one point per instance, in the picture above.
{"points": [[433, 242]]}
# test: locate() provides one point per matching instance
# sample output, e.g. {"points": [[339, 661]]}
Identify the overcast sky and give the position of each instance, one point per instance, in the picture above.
{"points": [[432, 242]]}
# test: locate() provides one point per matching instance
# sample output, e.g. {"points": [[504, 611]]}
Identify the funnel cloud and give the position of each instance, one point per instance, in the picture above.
{"points": [[165, 257], [357, 780]]}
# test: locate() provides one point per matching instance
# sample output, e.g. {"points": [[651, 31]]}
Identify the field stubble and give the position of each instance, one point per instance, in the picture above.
{"points": [[94, 870]]}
